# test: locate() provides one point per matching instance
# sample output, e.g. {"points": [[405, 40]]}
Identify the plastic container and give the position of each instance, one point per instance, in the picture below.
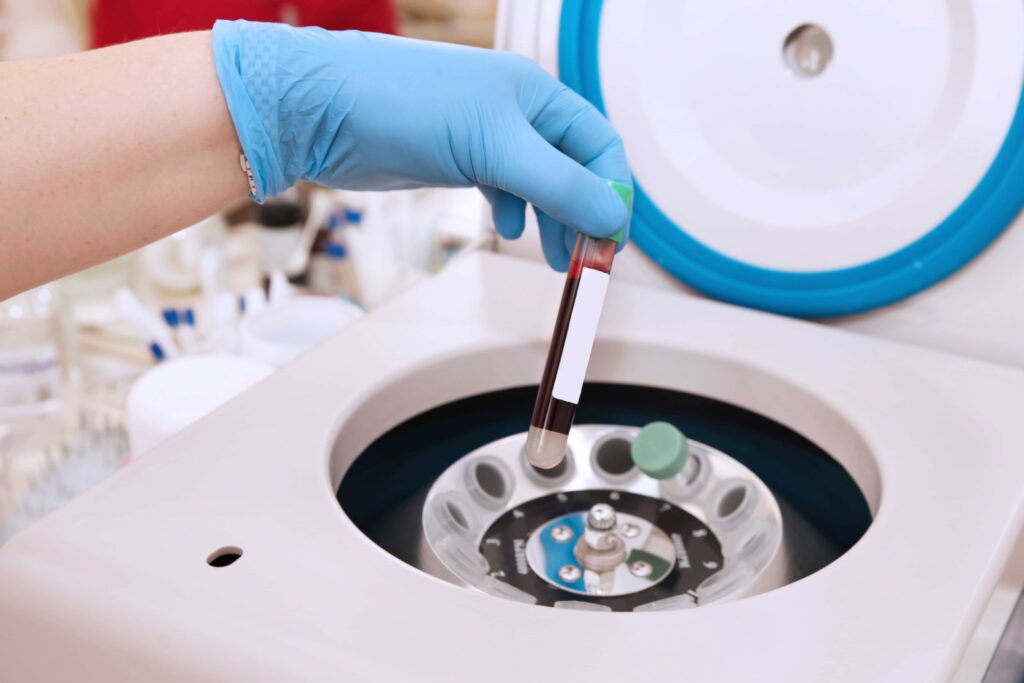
{"points": [[280, 230], [173, 395], [280, 333]]}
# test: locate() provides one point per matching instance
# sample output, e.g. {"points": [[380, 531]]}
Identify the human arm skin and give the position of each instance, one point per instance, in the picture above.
{"points": [[105, 151]]}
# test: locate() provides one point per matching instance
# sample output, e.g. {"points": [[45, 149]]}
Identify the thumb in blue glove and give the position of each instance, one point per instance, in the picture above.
{"points": [[364, 111]]}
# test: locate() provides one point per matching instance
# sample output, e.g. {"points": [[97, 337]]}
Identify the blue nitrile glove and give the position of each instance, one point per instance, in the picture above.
{"points": [[364, 111]]}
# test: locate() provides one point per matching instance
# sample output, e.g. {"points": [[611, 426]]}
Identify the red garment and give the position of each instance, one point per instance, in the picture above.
{"points": [[118, 21]]}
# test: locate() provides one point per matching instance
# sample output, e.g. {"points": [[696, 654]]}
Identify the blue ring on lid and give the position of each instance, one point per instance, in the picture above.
{"points": [[990, 208]]}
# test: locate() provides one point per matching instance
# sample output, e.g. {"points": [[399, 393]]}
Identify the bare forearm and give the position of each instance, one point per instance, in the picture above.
{"points": [[105, 151]]}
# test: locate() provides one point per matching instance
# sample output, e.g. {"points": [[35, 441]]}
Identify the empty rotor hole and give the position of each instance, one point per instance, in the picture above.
{"points": [[224, 556], [754, 543], [490, 480], [613, 456], [457, 515], [692, 470], [731, 501]]}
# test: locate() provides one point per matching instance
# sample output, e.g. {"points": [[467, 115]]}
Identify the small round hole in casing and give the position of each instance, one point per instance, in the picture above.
{"points": [[223, 557]]}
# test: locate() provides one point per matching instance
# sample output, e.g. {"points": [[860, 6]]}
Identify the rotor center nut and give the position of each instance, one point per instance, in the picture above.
{"points": [[601, 517], [601, 522], [600, 549]]}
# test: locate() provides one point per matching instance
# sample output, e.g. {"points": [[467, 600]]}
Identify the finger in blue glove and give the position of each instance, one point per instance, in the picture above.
{"points": [[364, 111]]}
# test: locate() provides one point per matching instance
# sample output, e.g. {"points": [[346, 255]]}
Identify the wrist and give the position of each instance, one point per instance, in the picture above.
{"points": [[245, 55], [284, 89]]}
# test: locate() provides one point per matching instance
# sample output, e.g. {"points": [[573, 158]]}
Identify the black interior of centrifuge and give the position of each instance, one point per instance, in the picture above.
{"points": [[399, 467]]}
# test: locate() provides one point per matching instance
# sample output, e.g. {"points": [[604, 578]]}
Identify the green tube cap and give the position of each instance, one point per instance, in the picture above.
{"points": [[660, 450], [625, 191]]}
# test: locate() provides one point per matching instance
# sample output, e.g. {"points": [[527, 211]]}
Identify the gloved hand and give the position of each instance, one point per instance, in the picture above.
{"points": [[365, 111]]}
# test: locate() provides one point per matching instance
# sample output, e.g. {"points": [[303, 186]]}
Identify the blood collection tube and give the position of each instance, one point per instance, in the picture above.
{"points": [[571, 343]]}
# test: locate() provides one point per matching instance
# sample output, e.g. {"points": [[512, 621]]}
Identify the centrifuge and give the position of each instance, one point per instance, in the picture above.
{"points": [[797, 455]]}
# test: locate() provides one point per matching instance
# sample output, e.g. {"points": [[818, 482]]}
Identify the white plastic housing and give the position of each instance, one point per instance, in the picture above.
{"points": [[116, 585]]}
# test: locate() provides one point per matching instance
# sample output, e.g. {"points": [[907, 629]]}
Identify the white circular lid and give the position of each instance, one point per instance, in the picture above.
{"points": [[816, 191]]}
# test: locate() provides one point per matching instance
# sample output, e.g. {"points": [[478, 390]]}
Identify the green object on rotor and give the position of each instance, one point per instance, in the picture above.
{"points": [[660, 450]]}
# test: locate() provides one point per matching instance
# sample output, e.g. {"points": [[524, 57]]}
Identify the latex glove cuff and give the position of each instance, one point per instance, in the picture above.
{"points": [[246, 52]]}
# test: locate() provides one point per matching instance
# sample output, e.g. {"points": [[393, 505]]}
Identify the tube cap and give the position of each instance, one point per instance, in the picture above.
{"points": [[660, 450], [625, 191]]}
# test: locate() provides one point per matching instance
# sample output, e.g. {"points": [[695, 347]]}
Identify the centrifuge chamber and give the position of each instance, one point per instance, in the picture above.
{"points": [[224, 554]]}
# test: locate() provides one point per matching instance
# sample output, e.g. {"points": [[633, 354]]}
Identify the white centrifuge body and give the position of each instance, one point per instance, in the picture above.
{"points": [[918, 398]]}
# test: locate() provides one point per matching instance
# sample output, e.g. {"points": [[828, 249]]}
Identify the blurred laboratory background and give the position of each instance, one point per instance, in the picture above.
{"points": [[98, 368]]}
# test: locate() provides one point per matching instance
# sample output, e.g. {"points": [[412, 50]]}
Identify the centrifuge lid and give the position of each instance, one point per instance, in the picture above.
{"points": [[809, 195]]}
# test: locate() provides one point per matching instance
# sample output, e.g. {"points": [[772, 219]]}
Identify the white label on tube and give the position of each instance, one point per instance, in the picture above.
{"points": [[579, 340]]}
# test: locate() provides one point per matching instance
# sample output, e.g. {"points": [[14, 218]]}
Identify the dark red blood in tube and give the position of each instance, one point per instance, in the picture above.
{"points": [[553, 417]]}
